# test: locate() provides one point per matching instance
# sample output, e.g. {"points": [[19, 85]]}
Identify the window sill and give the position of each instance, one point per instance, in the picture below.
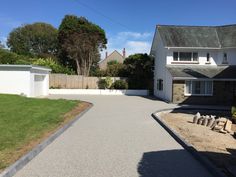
{"points": [[184, 62], [188, 95], [224, 63]]}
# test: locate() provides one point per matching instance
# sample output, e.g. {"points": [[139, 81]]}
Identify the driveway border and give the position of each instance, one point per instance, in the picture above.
{"points": [[20, 163], [202, 159]]}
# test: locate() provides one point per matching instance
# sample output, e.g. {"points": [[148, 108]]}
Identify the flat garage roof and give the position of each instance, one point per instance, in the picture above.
{"points": [[24, 67]]}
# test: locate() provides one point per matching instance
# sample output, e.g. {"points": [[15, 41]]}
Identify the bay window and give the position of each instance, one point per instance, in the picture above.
{"points": [[199, 88]]}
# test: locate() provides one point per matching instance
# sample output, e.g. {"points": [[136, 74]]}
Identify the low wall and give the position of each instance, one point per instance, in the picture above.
{"points": [[98, 92]]}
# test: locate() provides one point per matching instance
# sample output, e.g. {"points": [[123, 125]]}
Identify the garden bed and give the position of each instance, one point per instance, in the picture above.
{"points": [[217, 147], [26, 122]]}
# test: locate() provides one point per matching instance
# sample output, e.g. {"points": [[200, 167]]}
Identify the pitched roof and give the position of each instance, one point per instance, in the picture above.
{"points": [[198, 36], [202, 72], [108, 57]]}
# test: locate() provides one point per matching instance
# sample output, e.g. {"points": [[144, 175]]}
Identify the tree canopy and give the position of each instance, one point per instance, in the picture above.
{"points": [[139, 69], [38, 39], [80, 41]]}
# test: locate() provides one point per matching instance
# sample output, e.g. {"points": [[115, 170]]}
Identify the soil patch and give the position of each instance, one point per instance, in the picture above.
{"points": [[219, 148]]}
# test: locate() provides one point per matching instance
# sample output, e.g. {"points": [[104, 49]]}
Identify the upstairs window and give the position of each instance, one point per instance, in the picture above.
{"points": [[185, 56], [225, 58], [176, 56]]}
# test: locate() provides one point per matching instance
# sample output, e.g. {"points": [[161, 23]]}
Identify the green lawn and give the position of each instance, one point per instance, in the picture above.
{"points": [[24, 120]]}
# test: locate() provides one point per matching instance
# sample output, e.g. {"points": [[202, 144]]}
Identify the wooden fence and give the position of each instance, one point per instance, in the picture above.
{"points": [[64, 81]]}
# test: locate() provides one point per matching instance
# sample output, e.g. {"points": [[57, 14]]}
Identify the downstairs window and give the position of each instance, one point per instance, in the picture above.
{"points": [[200, 88], [160, 84]]}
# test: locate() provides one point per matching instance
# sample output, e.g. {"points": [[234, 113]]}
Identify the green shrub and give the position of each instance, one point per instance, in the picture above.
{"points": [[105, 83], [120, 84], [233, 112], [7, 57], [56, 67]]}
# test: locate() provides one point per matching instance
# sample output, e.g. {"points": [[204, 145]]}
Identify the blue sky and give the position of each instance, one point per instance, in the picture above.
{"points": [[128, 23]]}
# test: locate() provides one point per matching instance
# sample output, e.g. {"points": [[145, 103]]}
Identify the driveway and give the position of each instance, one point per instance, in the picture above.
{"points": [[116, 138]]}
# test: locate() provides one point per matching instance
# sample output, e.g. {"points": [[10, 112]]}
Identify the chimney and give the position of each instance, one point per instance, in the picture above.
{"points": [[106, 54], [124, 53]]}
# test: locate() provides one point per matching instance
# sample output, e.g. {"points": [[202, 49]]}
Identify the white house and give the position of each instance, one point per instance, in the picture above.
{"points": [[195, 64], [28, 80]]}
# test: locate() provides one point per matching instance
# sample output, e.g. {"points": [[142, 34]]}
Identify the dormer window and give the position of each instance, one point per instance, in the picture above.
{"points": [[225, 58], [185, 56]]}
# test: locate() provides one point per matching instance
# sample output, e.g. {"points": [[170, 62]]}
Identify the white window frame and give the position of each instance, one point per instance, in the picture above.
{"points": [[192, 61], [190, 94]]}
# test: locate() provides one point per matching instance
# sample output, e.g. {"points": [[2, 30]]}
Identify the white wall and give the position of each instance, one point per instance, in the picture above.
{"points": [[20, 80], [15, 82], [99, 92], [161, 72]]}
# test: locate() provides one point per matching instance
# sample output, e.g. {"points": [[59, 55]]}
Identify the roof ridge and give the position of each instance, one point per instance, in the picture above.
{"points": [[159, 25], [217, 36]]}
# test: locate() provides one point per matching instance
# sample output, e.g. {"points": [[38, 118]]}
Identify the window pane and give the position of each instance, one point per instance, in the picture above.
{"points": [[195, 56], [209, 87], [175, 55], [208, 57], [185, 56], [196, 87], [161, 84], [202, 87], [188, 87]]}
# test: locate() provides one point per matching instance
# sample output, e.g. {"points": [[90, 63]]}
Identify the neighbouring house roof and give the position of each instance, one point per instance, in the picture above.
{"points": [[109, 56], [202, 72], [114, 56], [197, 36]]}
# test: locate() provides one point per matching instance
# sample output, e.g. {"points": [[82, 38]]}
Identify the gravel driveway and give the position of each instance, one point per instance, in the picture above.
{"points": [[116, 138]]}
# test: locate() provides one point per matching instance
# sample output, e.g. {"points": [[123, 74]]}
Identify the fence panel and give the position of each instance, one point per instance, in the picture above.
{"points": [[64, 81]]}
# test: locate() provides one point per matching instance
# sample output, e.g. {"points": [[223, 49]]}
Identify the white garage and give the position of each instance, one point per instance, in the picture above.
{"points": [[28, 80]]}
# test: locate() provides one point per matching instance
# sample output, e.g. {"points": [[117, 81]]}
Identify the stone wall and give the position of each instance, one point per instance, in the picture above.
{"points": [[223, 94]]}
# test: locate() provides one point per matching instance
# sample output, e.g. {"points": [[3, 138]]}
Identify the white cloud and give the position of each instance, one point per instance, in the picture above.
{"points": [[3, 40], [134, 35], [138, 47], [133, 42]]}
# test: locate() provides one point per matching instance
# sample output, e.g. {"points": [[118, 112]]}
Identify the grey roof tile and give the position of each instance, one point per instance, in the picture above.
{"points": [[202, 72], [198, 36]]}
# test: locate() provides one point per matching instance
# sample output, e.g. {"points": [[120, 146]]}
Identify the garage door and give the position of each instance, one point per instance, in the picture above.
{"points": [[38, 85]]}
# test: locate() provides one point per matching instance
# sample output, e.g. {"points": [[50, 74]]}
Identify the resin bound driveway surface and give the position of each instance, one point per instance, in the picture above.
{"points": [[116, 138]]}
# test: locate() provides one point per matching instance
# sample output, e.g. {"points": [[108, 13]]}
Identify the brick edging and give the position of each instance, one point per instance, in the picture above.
{"points": [[202, 159], [20, 163]]}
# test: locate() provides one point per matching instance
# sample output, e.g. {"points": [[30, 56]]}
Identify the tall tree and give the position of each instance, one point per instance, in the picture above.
{"points": [[38, 39], [80, 40]]}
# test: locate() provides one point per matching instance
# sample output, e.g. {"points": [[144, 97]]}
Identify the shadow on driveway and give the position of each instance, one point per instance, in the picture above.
{"points": [[170, 163]]}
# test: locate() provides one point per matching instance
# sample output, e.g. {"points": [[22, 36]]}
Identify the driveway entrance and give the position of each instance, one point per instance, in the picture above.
{"points": [[116, 138]]}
